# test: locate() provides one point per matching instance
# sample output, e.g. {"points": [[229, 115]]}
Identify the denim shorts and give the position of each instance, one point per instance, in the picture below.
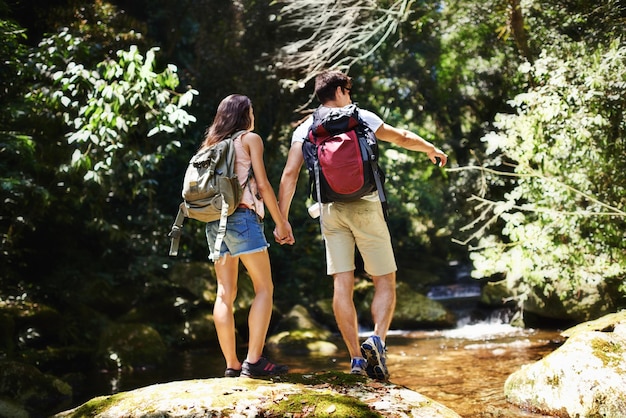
{"points": [[244, 234]]}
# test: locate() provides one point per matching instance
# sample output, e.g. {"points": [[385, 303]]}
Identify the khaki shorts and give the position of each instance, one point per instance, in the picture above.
{"points": [[360, 223]]}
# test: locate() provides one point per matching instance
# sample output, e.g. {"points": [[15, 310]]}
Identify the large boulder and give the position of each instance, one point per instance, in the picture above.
{"points": [[585, 377], [540, 309], [326, 394]]}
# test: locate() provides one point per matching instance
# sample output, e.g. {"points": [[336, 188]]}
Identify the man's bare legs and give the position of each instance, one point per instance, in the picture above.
{"points": [[384, 303], [368, 357], [383, 307], [345, 312]]}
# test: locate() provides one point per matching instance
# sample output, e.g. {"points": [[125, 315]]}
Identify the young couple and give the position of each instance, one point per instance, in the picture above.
{"points": [[344, 225]]}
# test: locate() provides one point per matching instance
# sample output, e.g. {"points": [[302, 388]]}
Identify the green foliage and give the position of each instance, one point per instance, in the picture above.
{"points": [[92, 151], [84, 170], [563, 149], [109, 109]]}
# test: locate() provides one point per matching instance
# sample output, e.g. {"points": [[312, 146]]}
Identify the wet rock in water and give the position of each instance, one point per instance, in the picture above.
{"points": [[332, 394], [298, 332], [592, 301], [130, 345], [26, 392], [415, 311], [585, 377]]}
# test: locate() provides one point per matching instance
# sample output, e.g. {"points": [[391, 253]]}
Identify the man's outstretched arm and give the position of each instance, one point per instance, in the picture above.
{"points": [[411, 141]]}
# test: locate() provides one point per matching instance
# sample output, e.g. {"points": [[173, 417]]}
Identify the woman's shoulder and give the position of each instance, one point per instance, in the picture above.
{"points": [[250, 137], [249, 134]]}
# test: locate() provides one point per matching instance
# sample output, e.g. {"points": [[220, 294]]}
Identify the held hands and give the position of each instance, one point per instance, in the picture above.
{"points": [[283, 234], [438, 157]]}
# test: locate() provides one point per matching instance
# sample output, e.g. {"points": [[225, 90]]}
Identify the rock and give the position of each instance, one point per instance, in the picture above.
{"points": [[322, 310], [26, 392], [606, 323], [30, 325], [327, 394], [130, 345], [299, 333], [589, 302], [196, 277], [197, 332], [586, 377], [414, 311]]}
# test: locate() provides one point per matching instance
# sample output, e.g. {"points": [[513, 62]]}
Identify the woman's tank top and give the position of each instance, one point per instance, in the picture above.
{"points": [[250, 190]]}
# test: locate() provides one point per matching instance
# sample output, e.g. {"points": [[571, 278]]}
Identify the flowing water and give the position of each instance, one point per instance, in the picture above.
{"points": [[463, 368]]}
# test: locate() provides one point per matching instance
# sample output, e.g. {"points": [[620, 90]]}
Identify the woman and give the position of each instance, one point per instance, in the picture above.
{"points": [[245, 241]]}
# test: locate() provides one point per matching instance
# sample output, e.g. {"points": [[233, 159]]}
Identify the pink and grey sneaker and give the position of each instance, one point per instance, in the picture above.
{"points": [[374, 352], [262, 368]]}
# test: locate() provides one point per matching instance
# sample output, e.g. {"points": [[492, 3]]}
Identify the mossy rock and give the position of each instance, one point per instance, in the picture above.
{"points": [[196, 277], [323, 394], [26, 390], [414, 310], [585, 377], [130, 345], [299, 333]]}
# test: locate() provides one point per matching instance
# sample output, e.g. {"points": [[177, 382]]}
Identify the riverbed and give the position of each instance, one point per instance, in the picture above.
{"points": [[463, 368]]}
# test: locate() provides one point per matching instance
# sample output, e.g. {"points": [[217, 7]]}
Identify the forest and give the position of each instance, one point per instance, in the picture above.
{"points": [[104, 102]]}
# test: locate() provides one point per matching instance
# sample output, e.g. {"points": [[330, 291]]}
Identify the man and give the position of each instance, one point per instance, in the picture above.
{"points": [[360, 223]]}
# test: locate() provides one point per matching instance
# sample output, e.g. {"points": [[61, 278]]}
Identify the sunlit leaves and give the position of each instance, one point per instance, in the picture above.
{"points": [[566, 144], [107, 109]]}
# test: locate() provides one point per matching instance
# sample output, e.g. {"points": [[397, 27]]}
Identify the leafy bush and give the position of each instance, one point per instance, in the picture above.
{"points": [[562, 153]]}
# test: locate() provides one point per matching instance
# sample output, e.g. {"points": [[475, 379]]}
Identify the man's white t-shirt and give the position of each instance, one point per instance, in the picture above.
{"points": [[372, 120]]}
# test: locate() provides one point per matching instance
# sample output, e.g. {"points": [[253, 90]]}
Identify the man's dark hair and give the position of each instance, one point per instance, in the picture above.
{"points": [[326, 84]]}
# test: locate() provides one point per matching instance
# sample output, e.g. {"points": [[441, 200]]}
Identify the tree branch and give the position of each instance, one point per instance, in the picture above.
{"points": [[339, 33], [612, 211]]}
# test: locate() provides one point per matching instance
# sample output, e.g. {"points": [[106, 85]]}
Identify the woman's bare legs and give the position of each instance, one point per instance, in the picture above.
{"points": [[259, 269], [226, 270]]}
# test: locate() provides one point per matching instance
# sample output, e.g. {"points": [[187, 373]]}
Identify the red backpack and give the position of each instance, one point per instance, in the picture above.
{"points": [[341, 155]]}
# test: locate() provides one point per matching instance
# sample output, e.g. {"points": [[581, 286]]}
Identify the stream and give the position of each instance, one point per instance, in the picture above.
{"points": [[462, 368]]}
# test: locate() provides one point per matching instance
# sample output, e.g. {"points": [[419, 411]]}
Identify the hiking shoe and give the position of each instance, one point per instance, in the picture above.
{"points": [[263, 367], [374, 352], [232, 372], [358, 366]]}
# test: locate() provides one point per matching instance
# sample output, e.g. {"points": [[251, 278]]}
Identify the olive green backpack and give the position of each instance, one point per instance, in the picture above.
{"points": [[211, 190]]}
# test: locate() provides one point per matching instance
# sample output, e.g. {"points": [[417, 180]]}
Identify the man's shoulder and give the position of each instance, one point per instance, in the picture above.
{"points": [[370, 118], [302, 130]]}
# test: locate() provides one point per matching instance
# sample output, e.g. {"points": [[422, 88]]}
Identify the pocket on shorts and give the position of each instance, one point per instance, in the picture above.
{"points": [[239, 228]]}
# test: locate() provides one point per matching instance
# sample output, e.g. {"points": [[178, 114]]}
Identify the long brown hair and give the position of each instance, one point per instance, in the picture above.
{"points": [[233, 114]]}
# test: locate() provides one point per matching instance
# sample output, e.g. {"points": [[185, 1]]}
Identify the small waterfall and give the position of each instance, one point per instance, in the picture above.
{"points": [[462, 296]]}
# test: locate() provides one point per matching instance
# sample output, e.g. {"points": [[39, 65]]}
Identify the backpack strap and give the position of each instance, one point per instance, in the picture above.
{"points": [[316, 169], [221, 232], [381, 191], [176, 231], [214, 254], [379, 184]]}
